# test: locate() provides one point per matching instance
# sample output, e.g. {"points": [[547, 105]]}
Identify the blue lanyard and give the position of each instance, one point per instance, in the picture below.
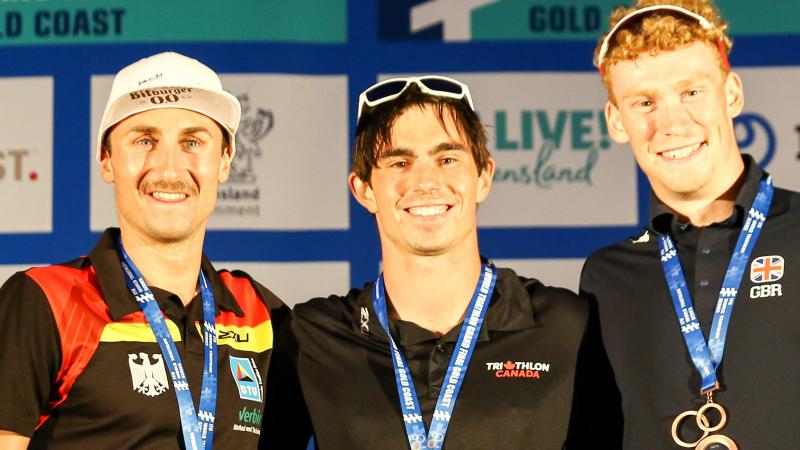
{"points": [[708, 356], [456, 370], [198, 428]]}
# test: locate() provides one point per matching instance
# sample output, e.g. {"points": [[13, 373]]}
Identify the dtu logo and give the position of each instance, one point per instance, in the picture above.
{"points": [[13, 165], [253, 128]]}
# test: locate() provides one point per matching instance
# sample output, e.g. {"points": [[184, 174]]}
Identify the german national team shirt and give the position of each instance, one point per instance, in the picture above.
{"points": [[81, 369]]}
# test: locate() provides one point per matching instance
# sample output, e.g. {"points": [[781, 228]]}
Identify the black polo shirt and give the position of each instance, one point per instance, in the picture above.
{"points": [[110, 389], [517, 393], [653, 370]]}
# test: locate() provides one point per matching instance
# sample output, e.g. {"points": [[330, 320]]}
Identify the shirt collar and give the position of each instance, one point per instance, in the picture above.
{"points": [[663, 219], [105, 260], [509, 309]]}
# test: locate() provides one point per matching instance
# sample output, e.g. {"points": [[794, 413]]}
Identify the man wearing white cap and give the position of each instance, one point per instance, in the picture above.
{"points": [[143, 344]]}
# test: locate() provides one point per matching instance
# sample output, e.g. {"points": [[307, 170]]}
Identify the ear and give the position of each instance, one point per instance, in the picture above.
{"points": [[363, 193], [734, 94], [106, 171], [614, 124], [485, 181], [224, 166]]}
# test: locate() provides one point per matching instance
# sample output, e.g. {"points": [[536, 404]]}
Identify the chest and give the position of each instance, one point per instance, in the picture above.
{"points": [[515, 387], [126, 394]]}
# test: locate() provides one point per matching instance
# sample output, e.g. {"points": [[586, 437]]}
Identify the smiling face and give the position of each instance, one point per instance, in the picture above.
{"points": [[425, 188], [165, 165], [676, 109]]}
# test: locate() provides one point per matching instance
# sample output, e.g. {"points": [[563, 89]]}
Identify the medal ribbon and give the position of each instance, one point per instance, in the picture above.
{"points": [[198, 428], [708, 356], [456, 370]]}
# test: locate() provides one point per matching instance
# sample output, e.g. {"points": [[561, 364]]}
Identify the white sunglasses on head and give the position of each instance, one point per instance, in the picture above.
{"points": [[601, 55], [387, 90]]}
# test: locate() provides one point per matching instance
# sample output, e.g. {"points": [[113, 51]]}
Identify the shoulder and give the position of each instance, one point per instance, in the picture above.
{"points": [[610, 262], [27, 286], [20, 287], [25, 307], [544, 300], [339, 308], [244, 287], [786, 201]]}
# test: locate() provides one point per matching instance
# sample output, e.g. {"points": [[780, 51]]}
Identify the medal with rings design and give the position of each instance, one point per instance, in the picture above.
{"points": [[707, 355], [707, 441]]}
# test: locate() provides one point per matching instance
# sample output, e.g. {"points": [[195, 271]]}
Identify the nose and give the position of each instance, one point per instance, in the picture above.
{"points": [[427, 177], [166, 160], [673, 118]]}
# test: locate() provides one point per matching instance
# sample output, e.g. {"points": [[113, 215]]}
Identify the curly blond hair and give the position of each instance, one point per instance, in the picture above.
{"points": [[662, 31]]}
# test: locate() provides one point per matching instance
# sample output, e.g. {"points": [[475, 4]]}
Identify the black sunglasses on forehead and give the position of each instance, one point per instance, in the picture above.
{"points": [[390, 89]]}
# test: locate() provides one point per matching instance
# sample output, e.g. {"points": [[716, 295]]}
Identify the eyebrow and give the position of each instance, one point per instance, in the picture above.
{"points": [[195, 130], [406, 152], [144, 129], [446, 147], [149, 129], [682, 84]]}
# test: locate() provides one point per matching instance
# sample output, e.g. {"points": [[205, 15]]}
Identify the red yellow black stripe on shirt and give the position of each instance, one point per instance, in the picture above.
{"points": [[257, 338], [83, 321]]}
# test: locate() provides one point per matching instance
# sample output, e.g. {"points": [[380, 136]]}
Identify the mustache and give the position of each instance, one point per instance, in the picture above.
{"points": [[146, 187]]}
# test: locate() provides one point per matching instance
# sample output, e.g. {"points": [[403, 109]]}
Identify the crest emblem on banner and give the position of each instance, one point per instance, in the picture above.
{"points": [[148, 378], [253, 128], [766, 269]]}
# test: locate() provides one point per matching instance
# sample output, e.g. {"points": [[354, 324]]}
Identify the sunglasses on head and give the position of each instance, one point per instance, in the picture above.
{"points": [[390, 89]]}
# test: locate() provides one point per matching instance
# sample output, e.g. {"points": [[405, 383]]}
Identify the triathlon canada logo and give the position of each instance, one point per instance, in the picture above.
{"points": [[148, 378], [241, 195], [518, 369], [247, 378]]}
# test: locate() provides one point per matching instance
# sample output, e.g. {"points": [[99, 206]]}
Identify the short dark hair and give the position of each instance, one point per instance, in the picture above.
{"points": [[106, 147], [374, 130]]}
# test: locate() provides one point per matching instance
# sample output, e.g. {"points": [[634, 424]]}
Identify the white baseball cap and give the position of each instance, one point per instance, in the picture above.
{"points": [[170, 80]]}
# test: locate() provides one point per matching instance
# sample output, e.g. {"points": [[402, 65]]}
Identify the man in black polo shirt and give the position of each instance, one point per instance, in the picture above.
{"points": [[444, 350], [143, 344], [705, 278]]}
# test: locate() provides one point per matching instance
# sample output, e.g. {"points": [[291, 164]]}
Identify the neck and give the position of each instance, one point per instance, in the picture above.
{"points": [[706, 208], [431, 291], [172, 266]]}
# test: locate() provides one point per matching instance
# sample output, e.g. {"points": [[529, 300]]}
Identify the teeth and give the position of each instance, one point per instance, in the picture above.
{"points": [[169, 196], [427, 210], [682, 152]]}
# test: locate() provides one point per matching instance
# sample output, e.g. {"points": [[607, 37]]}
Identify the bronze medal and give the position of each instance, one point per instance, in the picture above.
{"points": [[716, 442], [707, 441], [677, 423]]}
